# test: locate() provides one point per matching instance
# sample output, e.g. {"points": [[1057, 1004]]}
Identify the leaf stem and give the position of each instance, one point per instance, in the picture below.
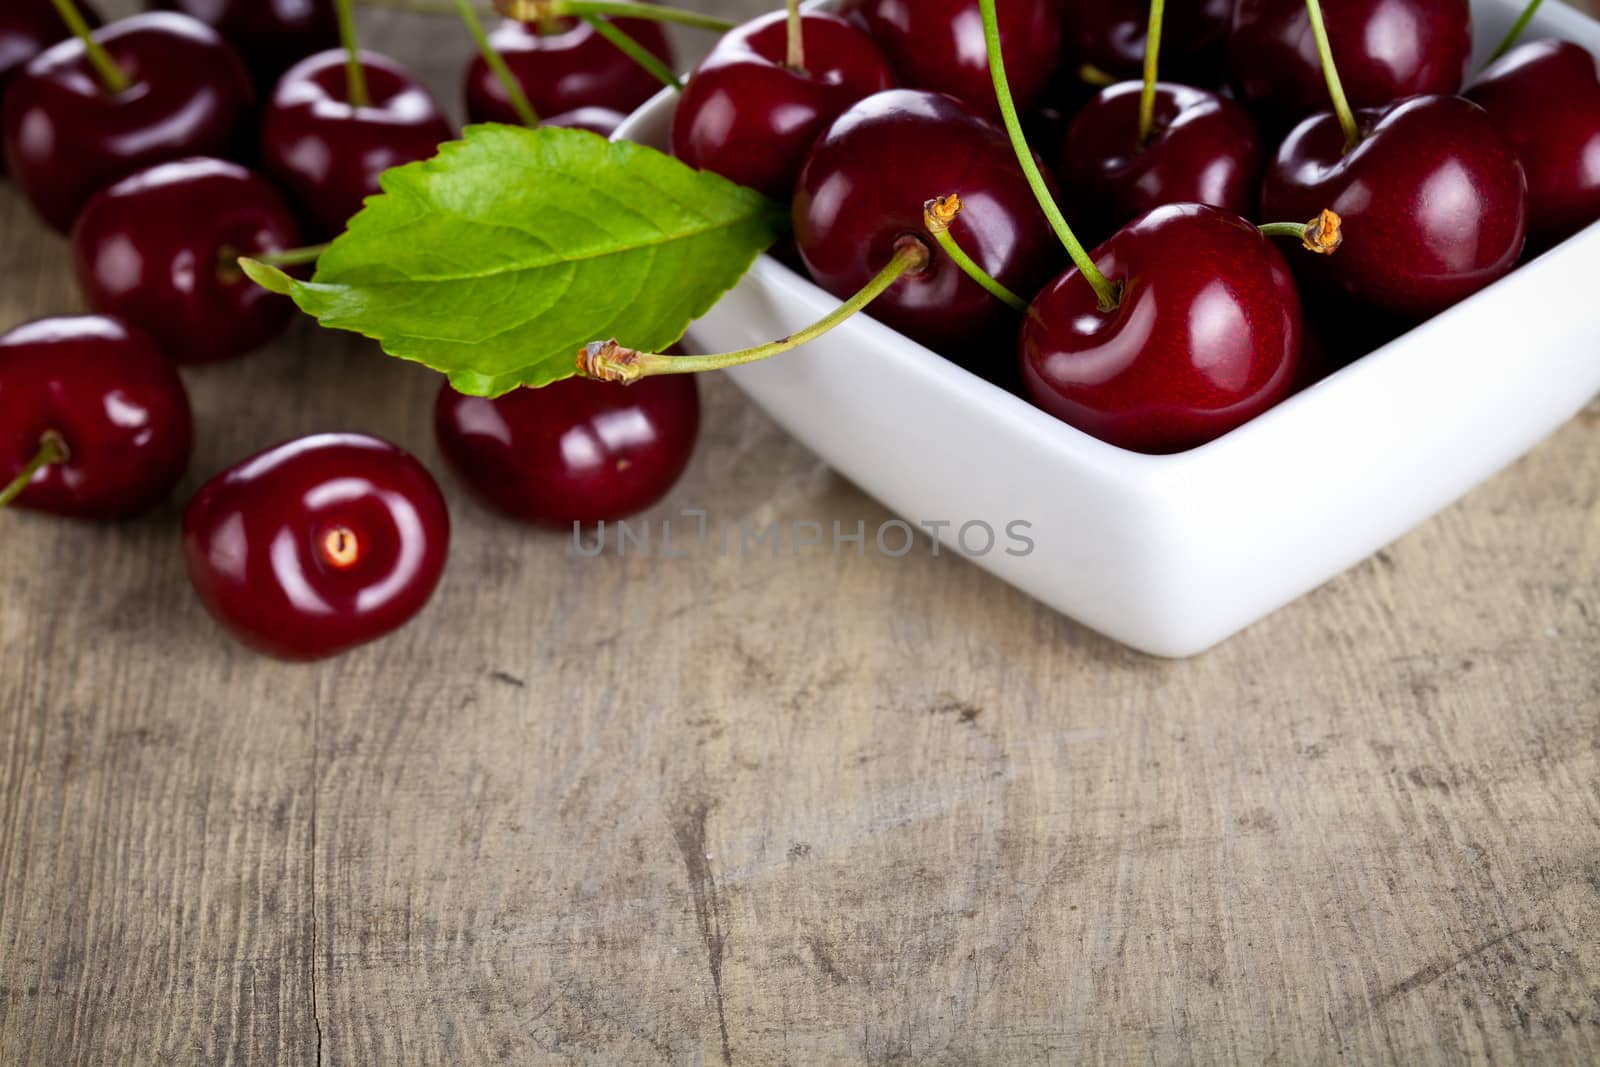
{"points": [[634, 51], [291, 257], [497, 63], [796, 58], [1322, 235], [112, 77], [52, 449], [937, 214], [609, 361], [1515, 31], [355, 74], [539, 10], [1330, 73], [1152, 63], [1104, 289]]}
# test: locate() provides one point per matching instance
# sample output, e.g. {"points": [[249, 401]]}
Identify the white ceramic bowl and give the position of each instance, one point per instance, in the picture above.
{"points": [[1171, 554]]}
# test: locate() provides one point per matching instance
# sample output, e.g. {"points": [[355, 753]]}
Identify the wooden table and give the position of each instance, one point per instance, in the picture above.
{"points": [[805, 810]]}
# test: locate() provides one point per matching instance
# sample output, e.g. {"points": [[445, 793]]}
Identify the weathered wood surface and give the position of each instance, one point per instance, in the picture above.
{"points": [[797, 811]]}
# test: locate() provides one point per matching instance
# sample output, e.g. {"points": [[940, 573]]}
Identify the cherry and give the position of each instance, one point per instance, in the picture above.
{"points": [[159, 249], [28, 27], [1386, 50], [939, 45], [569, 67], [1203, 149], [67, 137], [101, 391], [1206, 333], [576, 451], [750, 117], [863, 188], [1545, 99], [329, 153], [1109, 37], [1433, 200], [271, 35], [317, 545]]}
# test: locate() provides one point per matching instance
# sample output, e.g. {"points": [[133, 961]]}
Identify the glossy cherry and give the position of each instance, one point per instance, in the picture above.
{"points": [[117, 404], [67, 138], [576, 451], [863, 187], [751, 118], [1206, 336], [1385, 50], [1433, 200], [939, 45], [1203, 149], [160, 249], [28, 27], [571, 66], [317, 545], [328, 153], [1545, 99], [1109, 36], [271, 35]]}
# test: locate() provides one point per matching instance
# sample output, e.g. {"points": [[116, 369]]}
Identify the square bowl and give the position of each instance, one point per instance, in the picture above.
{"points": [[1172, 554]]}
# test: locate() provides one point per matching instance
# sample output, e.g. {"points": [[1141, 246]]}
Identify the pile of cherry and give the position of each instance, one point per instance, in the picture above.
{"points": [[881, 124]]}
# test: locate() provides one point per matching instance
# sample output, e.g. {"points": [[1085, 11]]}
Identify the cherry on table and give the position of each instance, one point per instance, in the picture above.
{"points": [[1545, 99], [67, 137], [748, 116], [329, 153], [116, 406], [271, 35], [317, 545], [576, 451], [160, 250], [1205, 336]]}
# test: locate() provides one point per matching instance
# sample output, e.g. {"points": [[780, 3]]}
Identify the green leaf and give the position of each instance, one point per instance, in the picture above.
{"points": [[496, 261]]}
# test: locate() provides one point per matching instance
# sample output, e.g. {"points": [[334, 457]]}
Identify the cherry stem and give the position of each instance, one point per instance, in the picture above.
{"points": [[1322, 235], [355, 74], [508, 81], [1152, 63], [609, 361], [1515, 31], [634, 51], [1341, 106], [540, 10], [1090, 74], [796, 59], [112, 77], [1107, 292], [937, 215], [52, 449]]}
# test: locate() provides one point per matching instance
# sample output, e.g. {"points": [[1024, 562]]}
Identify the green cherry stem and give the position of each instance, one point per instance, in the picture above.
{"points": [[634, 51], [539, 10], [1322, 235], [937, 215], [1515, 31], [355, 74], [1107, 292], [508, 81], [611, 362], [1152, 64], [1090, 74], [52, 449], [112, 77], [1330, 73], [796, 58]]}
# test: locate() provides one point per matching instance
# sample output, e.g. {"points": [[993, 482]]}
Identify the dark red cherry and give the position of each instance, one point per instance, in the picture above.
{"points": [[317, 545], [1203, 149], [271, 35], [1433, 200], [939, 45], [1109, 36], [67, 138], [601, 120], [750, 118], [160, 249], [1385, 50], [1206, 336], [570, 67], [328, 153], [863, 187], [28, 27], [577, 451], [114, 400], [1545, 99]]}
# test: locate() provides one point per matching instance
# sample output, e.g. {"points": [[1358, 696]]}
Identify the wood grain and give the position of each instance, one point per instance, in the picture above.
{"points": [[799, 810]]}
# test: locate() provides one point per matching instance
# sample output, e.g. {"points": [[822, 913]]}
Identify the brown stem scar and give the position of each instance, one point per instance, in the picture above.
{"points": [[940, 212], [1323, 234], [608, 361]]}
